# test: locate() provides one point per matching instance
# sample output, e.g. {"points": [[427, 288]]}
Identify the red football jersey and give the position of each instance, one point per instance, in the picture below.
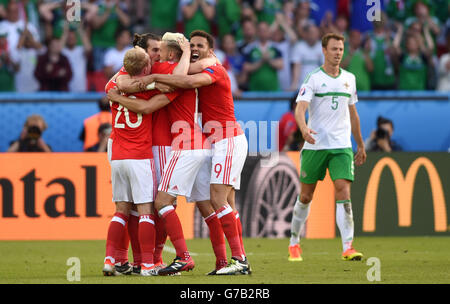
{"points": [[181, 113], [216, 105], [132, 137], [161, 126]]}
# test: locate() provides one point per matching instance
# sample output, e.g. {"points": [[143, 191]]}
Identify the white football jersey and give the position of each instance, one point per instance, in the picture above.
{"points": [[329, 98]]}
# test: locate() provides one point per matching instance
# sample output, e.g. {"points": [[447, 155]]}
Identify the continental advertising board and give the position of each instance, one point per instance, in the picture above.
{"points": [[67, 196]]}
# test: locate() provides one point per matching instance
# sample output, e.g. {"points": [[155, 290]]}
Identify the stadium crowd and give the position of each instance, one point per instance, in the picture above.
{"points": [[265, 44]]}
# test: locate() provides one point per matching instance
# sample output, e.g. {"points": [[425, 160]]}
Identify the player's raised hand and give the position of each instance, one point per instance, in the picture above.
{"points": [[184, 44], [360, 156], [307, 135]]}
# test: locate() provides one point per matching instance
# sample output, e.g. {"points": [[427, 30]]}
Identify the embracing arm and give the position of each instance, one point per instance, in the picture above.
{"points": [[185, 82], [132, 85], [138, 105]]}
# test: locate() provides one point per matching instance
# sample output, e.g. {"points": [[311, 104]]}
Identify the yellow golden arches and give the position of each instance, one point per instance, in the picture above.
{"points": [[404, 187]]}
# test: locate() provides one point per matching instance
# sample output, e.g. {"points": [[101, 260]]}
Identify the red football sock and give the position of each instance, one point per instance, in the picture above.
{"points": [[160, 240], [116, 231], [122, 250], [229, 226], [217, 240], [239, 227], [133, 233], [174, 230], [147, 237]]}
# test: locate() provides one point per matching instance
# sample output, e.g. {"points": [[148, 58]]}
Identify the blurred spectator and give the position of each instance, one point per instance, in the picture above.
{"points": [[263, 62], [284, 38], [112, 15], [7, 67], [54, 15], [414, 63], [357, 60], [114, 56], [380, 140], [287, 128], [197, 15], [77, 55], [424, 18], [235, 60], [323, 11], [27, 9], [14, 26], [30, 139], [341, 26], [104, 131], [89, 134], [327, 24], [382, 76], [307, 55], [53, 69], [161, 15], [444, 69], [266, 10], [228, 21], [25, 58], [248, 35], [302, 18]]}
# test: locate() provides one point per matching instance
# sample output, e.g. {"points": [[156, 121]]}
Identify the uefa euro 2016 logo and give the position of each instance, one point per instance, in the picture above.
{"points": [[73, 10], [374, 12]]}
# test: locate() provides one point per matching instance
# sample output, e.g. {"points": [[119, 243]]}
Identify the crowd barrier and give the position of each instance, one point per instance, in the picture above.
{"points": [[67, 196], [420, 118]]}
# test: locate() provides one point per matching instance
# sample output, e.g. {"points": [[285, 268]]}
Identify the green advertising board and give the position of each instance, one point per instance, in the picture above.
{"points": [[402, 193]]}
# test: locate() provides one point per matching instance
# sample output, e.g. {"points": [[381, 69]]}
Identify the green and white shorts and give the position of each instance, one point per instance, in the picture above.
{"points": [[314, 165]]}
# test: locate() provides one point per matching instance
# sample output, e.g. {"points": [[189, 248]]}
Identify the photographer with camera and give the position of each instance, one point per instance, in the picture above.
{"points": [[380, 139], [31, 136]]}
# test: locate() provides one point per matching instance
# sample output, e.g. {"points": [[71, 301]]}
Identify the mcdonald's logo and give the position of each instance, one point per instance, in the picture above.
{"points": [[404, 186]]}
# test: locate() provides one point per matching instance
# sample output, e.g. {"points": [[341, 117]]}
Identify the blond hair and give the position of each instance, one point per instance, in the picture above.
{"points": [[135, 60]]}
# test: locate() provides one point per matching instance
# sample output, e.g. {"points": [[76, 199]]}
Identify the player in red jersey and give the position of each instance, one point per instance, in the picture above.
{"points": [[133, 173], [229, 142], [200, 192], [161, 136], [185, 160]]}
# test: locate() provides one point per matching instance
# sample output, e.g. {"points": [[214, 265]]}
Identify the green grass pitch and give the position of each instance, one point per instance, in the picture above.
{"points": [[402, 260]]}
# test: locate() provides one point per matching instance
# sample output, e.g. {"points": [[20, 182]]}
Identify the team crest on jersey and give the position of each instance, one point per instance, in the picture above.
{"points": [[346, 85], [302, 91]]}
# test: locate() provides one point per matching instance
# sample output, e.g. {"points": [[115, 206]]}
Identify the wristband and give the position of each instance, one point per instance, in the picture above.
{"points": [[151, 86]]}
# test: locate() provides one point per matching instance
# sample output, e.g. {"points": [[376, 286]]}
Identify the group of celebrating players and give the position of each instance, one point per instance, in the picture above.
{"points": [[174, 133]]}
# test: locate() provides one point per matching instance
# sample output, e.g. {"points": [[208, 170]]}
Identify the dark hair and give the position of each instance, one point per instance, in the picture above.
{"points": [[119, 32], [203, 34], [383, 120], [141, 40]]}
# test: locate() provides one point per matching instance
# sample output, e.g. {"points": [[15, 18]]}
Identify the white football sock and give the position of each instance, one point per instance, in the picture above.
{"points": [[299, 217], [344, 221]]}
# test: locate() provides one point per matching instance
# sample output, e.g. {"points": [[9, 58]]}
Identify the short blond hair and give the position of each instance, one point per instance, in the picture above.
{"points": [[327, 37], [135, 60]]}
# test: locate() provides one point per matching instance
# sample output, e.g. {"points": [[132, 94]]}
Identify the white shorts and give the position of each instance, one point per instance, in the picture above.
{"points": [[228, 158], [201, 188], [181, 171], [133, 180], [160, 155]]}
